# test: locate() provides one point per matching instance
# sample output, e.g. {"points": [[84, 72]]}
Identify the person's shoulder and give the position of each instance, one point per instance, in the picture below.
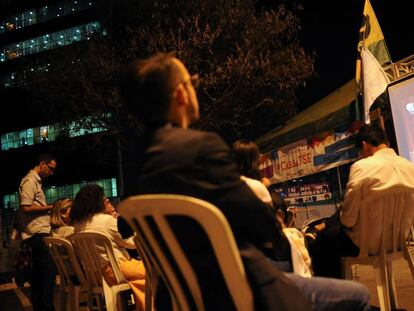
{"points": [[29, 179], [193, 136]]}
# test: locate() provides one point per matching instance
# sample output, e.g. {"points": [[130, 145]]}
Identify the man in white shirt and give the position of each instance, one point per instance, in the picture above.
{"points": [[380, 171], [36, 225]]}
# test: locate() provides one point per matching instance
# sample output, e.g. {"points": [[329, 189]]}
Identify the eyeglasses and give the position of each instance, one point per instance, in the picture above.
{"points": [[51, 168]]}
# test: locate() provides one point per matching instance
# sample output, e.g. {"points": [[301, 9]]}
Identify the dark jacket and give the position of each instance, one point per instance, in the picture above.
{"points": [[199, 164]]}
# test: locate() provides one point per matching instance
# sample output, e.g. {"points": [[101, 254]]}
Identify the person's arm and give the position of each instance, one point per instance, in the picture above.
{"points": [[35, 208], [353, 197], [112, 227], [28, 203]]}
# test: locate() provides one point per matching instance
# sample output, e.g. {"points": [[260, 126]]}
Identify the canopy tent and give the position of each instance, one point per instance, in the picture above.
{"points": [[333, 111]]}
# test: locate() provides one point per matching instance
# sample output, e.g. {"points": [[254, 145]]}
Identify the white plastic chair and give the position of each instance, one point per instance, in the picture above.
{"points": [[151, 218], [86, 248], [150, 274], [392, 245], [69, 270]]}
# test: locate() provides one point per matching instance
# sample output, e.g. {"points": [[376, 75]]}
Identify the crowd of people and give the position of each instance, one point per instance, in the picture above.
{"points": [[176, 159]]}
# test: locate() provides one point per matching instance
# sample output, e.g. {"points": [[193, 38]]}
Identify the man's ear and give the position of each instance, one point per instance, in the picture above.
{"points": [[365, 149], [181, 96]]}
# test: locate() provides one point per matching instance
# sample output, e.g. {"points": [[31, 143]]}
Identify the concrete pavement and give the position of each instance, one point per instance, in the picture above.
{"points": [[13, 298]]}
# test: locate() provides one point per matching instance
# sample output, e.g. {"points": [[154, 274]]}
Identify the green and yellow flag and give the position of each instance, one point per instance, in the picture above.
{"points": [[370, 36], [372, 56]]}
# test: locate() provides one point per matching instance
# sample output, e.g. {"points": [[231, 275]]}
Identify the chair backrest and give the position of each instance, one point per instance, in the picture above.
{"points": [[385, 223], [170, 230], [89, 246], [66, 261]]}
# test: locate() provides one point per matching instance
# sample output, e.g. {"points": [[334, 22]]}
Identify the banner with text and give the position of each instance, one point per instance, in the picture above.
{"points": [[309, 156]]}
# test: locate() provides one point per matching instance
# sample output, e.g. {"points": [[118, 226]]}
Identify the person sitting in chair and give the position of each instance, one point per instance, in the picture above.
{"points": [[380, 172], [178, 160], [91, 210]]}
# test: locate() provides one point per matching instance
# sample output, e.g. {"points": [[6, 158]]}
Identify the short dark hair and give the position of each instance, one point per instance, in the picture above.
{"points": [[246, 153], [372, 134], [45, 157], [146, 87], [88, 202]]}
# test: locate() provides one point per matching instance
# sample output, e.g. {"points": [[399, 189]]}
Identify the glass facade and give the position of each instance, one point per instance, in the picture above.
{"points": [[44, 13], [11, 201], [49, 41], [42, 134]]}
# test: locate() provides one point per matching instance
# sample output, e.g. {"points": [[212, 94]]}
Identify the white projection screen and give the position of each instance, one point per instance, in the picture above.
{"points": [[402, 107]]}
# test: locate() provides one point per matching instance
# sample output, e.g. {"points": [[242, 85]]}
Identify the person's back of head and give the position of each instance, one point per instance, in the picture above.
{"points": [[88, 202], [60, 211], [372, 134], [147, 86], [246, 153]]}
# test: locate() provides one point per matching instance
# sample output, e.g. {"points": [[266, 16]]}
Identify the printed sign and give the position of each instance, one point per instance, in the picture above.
{"points": [[308, 156]]}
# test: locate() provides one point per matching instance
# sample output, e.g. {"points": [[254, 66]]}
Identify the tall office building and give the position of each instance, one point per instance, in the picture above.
{"points": [[29, 32]]}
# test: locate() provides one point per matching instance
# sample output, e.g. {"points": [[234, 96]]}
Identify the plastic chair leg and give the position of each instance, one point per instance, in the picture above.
{"points": [[391, 285], [90, 300], [148, 293], [110, 298], [382, 286], [99, 302], [62, 298]]}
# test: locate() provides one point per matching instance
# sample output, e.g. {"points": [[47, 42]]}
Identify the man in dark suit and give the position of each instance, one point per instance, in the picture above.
{"points": [[180, 160]]}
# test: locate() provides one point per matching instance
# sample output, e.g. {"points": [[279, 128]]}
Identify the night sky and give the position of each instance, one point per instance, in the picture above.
{"points": [[330, 28]]}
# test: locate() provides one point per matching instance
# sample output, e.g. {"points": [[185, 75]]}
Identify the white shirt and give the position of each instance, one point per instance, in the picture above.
{"points": [[63, 232], [107, 224], [31, 192], [371, 178], [258, 188]]}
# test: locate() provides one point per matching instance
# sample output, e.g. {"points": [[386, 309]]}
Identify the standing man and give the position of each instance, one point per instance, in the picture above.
{"points": [[161, 92], [36, 225]]}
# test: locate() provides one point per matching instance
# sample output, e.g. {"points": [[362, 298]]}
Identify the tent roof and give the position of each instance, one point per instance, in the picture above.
{"points": [[333, 111]]}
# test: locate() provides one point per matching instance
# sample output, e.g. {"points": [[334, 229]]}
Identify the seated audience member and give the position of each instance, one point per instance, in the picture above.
{"points": [[90, 212], [380, 172], [280, 206], [178, 160], [59, 218], [61, 228], [246, 154]]}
